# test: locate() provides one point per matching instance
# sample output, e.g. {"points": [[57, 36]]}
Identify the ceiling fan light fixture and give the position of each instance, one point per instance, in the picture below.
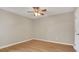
{"points": [[37, 14]]}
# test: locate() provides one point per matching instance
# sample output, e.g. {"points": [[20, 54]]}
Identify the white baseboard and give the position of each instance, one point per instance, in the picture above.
{"points": [[32, 39], [14, 43], [52, 41]]}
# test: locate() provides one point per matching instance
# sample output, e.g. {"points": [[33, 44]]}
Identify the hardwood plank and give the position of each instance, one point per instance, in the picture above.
{"points": [[38, 46]]}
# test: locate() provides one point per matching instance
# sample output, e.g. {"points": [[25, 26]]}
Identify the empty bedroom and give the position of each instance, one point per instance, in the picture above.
{"points": [[38, 29]]}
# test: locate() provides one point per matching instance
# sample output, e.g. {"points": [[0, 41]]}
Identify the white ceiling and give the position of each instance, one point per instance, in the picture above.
{"points": [[23, 11]]}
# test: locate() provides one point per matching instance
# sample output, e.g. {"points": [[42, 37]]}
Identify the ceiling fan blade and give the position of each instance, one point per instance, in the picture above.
{"points": [[36, 7], [42, 13], [44, 10]]}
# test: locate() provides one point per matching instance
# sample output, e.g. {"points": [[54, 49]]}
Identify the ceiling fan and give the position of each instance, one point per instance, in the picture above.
{"points": [[37, 11]]}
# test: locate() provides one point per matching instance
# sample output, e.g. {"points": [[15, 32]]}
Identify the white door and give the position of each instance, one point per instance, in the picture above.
{"points": [[76, 46]]}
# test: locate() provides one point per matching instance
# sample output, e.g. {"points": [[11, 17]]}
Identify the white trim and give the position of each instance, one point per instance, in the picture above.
{"points": [[14, 43], [33, 39], [75, 49], [52, 41]]}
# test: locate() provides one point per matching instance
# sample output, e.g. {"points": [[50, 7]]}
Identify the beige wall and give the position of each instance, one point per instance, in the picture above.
{"points": [[14, 28], [59, 28]]}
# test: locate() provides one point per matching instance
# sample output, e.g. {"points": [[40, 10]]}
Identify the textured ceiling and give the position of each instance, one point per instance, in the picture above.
{"points": [[23, 11]]}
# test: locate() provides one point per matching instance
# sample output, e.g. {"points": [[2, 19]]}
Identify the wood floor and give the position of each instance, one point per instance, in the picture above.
{"points": [[38, 46]]}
